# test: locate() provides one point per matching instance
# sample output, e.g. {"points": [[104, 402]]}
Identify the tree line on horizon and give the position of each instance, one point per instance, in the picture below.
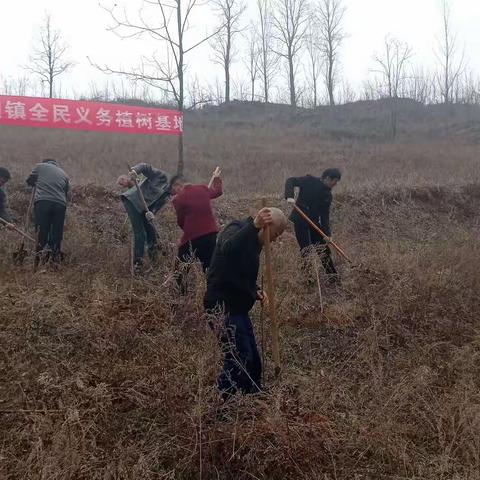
{"points": [[300, 40]]}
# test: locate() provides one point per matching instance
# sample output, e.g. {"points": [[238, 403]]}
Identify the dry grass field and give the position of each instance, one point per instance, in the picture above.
{"points": [[103, 377]]}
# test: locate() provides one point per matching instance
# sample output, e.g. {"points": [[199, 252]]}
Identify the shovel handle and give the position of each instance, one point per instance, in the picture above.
{"points": [[322, 233], [210, 183], [13, 227], [140, 194]]}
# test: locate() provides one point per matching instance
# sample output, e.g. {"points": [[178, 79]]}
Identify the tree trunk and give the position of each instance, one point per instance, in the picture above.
{"points": [[330, 83], [265, 85], [180, 159], [227, 67], [227, 82], [293, 97]]}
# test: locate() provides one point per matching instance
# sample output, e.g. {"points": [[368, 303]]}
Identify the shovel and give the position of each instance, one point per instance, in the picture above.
{"points": [[20, 254], [318, 230]]}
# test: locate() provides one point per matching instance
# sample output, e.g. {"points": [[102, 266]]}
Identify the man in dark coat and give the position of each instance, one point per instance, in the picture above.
{"points": [[4, 178], [50, 205], [155, 190], [232, 291], [314, 199]]}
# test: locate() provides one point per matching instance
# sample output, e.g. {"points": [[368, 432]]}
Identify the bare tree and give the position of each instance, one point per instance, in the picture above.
{"points": [[330, 16], [229, 13], [419, 85], [451, 66], [315, 60], [48, 57], [392, 65], [268, 58], [168, 22], [253, 60], [290, 21]]}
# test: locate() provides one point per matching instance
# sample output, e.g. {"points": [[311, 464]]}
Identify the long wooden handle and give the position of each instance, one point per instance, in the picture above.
{"points": [[17, 230], [140, 194], [271, 299], [210, 183], [320, 231]]}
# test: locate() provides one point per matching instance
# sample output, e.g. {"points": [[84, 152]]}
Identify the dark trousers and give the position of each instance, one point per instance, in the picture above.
{"points": [[143, 231], [49, 222], [242, 366], [200, 248], [307, 237]]}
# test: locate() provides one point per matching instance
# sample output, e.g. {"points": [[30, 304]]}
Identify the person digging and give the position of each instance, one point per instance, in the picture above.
{"points": [[314, 200], [51, 185], [192, 204], [142, 201], [232, 291]]}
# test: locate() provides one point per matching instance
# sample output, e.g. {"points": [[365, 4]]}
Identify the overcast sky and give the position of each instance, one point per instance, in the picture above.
{"points": [[84, 24]]}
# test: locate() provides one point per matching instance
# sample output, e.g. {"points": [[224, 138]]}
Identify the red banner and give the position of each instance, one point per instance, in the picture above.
{"points": [[78, 115]]}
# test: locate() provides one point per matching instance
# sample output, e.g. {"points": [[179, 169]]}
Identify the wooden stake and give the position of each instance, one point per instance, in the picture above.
{"points": [[320, 231], [271, 299]]}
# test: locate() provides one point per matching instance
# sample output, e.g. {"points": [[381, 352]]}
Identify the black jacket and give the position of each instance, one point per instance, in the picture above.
{"points": [[4, 206], [232, 278], [155, 189], [314, 198]]}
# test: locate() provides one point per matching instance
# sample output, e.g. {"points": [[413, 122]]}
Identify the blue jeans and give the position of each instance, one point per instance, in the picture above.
{"points": [[242, 366], [142, 231]]}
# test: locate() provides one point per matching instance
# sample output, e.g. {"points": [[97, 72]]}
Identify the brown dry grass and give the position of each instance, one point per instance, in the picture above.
{"points": [[102, 378]]}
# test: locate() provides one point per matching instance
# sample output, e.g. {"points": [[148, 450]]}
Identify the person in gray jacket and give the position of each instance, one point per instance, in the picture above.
{"points": [[155, 190], [50, 204]]}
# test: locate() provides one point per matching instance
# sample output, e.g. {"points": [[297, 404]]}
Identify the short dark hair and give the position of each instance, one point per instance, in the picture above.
{"points": [[5, 174], [333, 173], [176, 178]]}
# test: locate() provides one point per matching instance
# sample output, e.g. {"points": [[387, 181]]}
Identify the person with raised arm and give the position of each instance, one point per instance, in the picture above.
{"points": [[193, 207]]}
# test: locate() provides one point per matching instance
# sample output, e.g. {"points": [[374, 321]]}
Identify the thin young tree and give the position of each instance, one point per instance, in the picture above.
{"points": [[168, 22], [315, 60], [451, 64], [253, 60], [330, 15], [48, 58], [229, 15], [290, 21], [392, 64], [268, 58]]}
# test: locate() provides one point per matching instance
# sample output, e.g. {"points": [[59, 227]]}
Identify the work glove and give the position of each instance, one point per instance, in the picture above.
{"points": [[149, 216], [132, 174], [291, 201]]}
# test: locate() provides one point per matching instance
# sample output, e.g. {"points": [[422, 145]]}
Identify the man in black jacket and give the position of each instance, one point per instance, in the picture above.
{"points": [[50, 204], [4, 178], [232, 291], [155, 190], [314, 198]]}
